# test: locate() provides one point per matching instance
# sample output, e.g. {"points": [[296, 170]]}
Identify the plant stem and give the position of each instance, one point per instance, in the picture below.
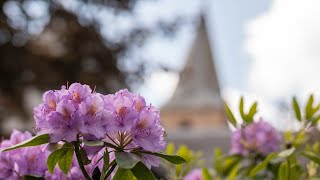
{"points": [[78, 155], [289, 172]]}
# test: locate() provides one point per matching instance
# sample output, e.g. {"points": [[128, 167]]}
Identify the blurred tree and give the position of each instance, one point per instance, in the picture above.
{"points": [[67, 48]]}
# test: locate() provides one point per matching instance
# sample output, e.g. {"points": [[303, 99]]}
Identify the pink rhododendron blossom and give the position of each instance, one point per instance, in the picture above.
{"points": [[20, 162], [195, 174], [258, 137]]}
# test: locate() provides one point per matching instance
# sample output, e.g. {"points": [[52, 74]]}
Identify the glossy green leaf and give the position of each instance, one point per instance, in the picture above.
{"points": [[53, 146], [234, 172], [229, 162], [84, 156], [312, 156], [309, 109], [296, 109], [106, 160], [283, 172], [174, 159], [123, 174], [252, 112], [299, 138], [315, 120], [288, 136], [141, 172], [230, 115], [247, 118], [185, 153], [35, 141], [241, 108], [63, 157], [206, 174], [286, 153], [93, 143], [126, 160], [218, 160], [170, 149], [53, 160], [262, 165]]}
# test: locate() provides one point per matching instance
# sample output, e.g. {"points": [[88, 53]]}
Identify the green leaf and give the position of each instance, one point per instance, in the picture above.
{"points": [[126, 160], [123, 174], [234, 172], [315, 120], [53, 146], [252, 112], [93, 143], [309, 108], [106, 160], [141, 172], [174, 159], [299, 138], [286, 153], [35, 141], [262, 165], [247, 118], [288, 136], [230, 115], [241, 108], [283, 172], [185, 153], [65, 159], [206, 174], [170, 149], [84, 156], [229, 162], [312, 156], [296, 109], [53, 160], [61, 156], [218, 159]]}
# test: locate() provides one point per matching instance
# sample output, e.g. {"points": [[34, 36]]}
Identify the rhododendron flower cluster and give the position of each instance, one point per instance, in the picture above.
{"points": [[257, 137], [67, 113], [99, 135], [20, 162]]}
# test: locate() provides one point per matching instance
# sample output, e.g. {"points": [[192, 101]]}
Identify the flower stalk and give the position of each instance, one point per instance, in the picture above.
{"points": [[78, 155]]}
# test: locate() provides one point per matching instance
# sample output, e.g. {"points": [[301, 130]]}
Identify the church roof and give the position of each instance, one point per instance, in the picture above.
{"points": [[198, 86]]}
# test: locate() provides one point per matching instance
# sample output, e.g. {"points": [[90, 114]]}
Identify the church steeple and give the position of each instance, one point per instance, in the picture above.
{"points": [[196, 100], [198, 85]]}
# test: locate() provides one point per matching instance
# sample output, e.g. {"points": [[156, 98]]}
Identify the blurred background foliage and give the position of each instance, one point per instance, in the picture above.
{"points": [[44, 44]]}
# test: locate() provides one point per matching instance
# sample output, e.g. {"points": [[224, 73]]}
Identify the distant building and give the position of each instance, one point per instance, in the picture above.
{"points": [[196, 102]]}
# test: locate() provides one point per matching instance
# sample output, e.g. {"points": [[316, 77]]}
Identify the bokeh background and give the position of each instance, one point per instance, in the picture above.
{"points": [[264, 50]]}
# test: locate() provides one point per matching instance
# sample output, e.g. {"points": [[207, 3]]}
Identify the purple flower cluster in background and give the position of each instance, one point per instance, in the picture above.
{"points": [[20, 162], [122, 118], [195, 174], [32, 161], [257, 137]]}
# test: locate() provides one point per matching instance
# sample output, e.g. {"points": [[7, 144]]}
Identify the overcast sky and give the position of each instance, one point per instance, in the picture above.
{"points": [[226, 22], [265, 50]]}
